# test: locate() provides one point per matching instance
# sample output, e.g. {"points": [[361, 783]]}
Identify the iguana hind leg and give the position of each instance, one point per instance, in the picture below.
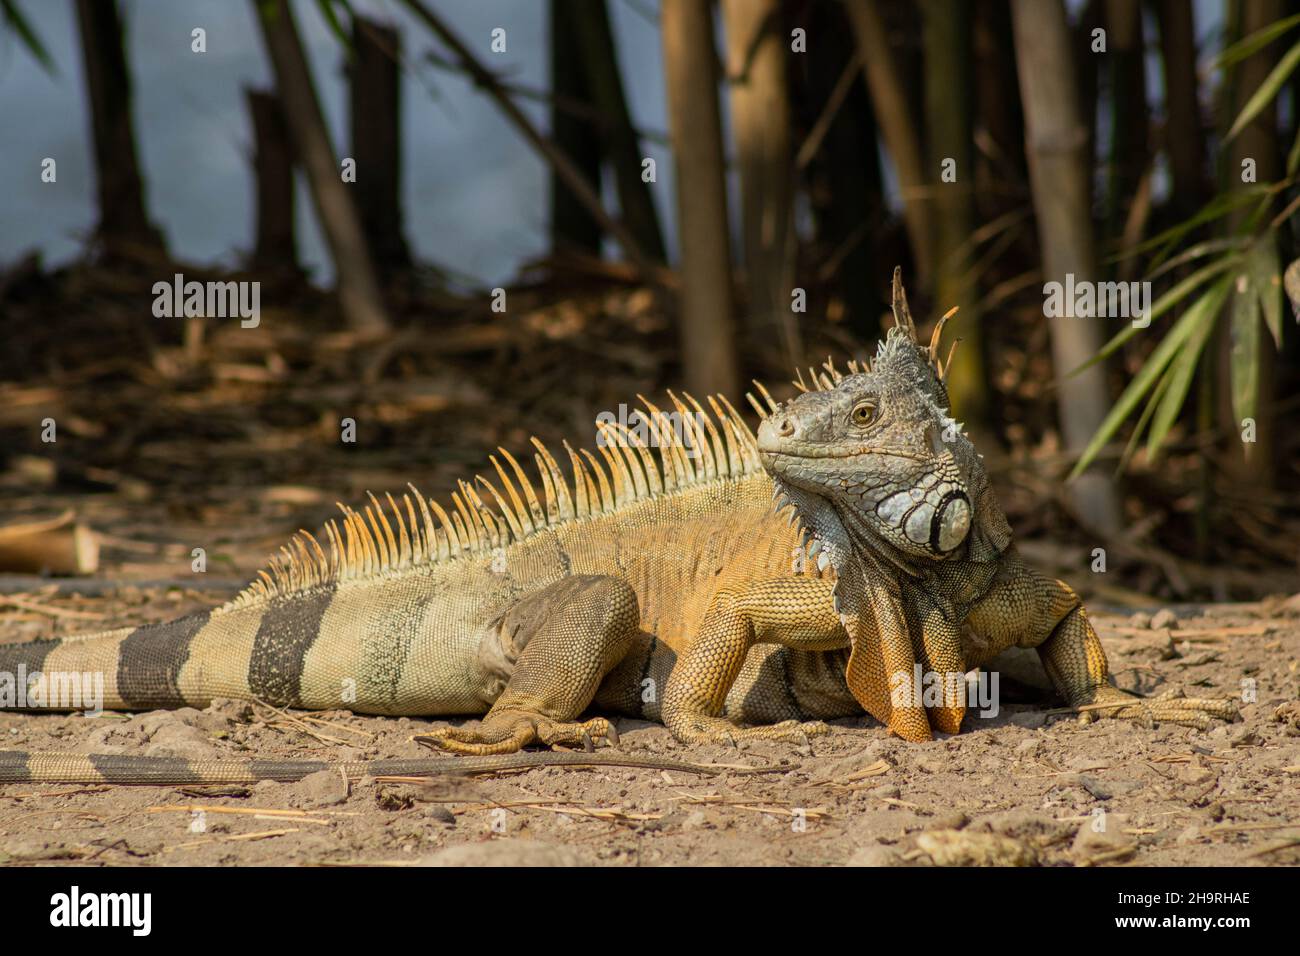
{"points": [[552, 648], [794, 612]]}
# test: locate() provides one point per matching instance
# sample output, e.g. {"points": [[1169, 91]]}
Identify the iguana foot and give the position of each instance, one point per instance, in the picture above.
{"points": [[505, 732], [1170, 707], [717, 730]]}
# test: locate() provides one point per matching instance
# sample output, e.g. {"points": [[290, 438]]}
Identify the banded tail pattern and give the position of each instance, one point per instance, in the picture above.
{"points": [[21, 766], [296, 634]]}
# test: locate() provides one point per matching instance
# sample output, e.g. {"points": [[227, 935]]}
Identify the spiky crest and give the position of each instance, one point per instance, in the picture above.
{"points": [[378, 540], [901, 339]]}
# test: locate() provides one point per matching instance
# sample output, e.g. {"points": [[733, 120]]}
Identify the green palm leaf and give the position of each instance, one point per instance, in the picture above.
{"points": [[1142, 383], [1267, 90], [14, 17], [1162, 305], [1265, 269], [1249, 46], [1202, 316]]}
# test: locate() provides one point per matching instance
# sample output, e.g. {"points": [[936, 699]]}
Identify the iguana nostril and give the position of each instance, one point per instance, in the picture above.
{"points": [[785, 428]]}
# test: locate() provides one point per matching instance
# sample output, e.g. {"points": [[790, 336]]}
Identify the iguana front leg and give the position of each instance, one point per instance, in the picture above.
{"points": [[1028, 609], [794, 612], [552, 648]]}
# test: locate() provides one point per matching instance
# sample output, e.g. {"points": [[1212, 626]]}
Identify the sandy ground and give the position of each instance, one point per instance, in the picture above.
{"points": [[1027, 786]]}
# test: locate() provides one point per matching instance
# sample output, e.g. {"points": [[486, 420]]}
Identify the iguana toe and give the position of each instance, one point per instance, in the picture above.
{"points": [[507, 732], [459, 740], [1170, 707], [717, 730], [552, 732]]}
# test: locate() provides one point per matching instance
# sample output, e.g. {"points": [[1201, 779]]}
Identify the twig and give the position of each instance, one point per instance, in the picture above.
{"points": [[250, 811], [259, 835], [881, 766], [556, 157], [1274, 847], [25, 605], [337, 726], [831, 110], [301, 725]]}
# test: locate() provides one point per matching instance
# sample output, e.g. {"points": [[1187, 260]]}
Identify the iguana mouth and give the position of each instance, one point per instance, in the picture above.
{"points": [[773, 459]]}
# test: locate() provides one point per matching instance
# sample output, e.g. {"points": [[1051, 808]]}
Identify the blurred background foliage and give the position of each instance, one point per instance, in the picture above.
{"points": [[989, 146]]}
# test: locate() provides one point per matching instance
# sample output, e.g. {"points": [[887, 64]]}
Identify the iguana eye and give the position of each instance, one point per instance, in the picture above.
{"points": [[863, 414]]}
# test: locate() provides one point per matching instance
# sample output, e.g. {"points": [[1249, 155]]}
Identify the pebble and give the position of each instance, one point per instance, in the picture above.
{"points": [[1164, 618], [876, 855]]}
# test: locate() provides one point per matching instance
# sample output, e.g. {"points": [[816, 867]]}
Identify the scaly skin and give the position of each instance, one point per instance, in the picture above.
{"points": [[926, 573], [528, 610], [658, 587], [20, 766]]}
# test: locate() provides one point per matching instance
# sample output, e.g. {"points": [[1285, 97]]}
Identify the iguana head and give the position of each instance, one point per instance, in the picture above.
{"points": [[877, 448], [874, 460]]}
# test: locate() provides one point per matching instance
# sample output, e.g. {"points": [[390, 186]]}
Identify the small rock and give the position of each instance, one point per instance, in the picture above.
{"points": [[324, 788], [508, 853], [1245, 737], [695, 820], [674, 818], [1110, 841], [1026, 825], [875, 855], [154, 721], [1095, 786], [436, 811], [951, 821], [143, 846], [1191, 773], [113, 737], [239, 711], [1140, 619], [180, 740], [1188, 836], [1164, 618], [886, 791]]}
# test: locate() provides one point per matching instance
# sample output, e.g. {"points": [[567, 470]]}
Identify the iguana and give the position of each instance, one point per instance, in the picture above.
{"points": [[658, 581], [927, 581]]}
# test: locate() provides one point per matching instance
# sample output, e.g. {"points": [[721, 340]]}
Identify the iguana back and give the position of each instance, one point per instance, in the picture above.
{"points": [[400, 610]]}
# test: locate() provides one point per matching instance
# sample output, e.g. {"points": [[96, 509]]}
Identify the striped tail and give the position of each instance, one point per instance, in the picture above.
{"points": [[20, 766], [245, 653], [133, 668]]}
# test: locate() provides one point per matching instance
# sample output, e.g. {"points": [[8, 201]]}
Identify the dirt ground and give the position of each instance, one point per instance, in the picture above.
{"points": [[230, 441], [1027, 786]]}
